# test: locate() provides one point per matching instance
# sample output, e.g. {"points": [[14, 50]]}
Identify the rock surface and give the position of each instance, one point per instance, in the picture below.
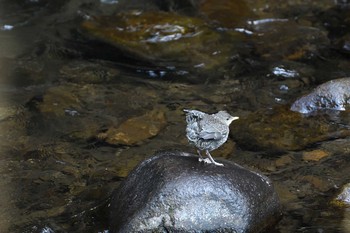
{"points": [[137, 129], [334, 95], [162, 37], [280, 129], [292, 42], [173, 192]]}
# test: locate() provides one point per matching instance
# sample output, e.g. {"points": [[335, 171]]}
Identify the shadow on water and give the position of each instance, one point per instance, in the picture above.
{"points": [[66, 89]]}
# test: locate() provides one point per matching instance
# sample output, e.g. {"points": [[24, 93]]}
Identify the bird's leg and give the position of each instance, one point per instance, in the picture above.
{"points": [[200, 159], [200, 156], [212, 160]]}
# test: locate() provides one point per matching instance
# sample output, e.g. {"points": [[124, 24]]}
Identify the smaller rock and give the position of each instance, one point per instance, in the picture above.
{"points": [[343, 198], [333, 95], [287, 197], [283, 160], [174, 192], [88, 72], [315, 155], [59, 99], [135, 130], [317, 182]]}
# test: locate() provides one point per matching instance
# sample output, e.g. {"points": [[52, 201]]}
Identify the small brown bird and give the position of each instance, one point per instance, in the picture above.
{"points": [[208, 131]]}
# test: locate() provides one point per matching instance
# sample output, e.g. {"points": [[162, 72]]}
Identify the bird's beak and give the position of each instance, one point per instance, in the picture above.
{"points": [[233, 119]]}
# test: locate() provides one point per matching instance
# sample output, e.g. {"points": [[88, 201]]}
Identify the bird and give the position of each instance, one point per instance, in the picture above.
{"points": [[207, 131]]}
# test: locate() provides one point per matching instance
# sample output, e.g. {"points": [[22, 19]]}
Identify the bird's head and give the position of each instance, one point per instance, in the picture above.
{"points": [[226, 117]]}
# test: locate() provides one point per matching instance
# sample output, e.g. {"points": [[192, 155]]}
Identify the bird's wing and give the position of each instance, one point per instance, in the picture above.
{"points": [[193, 115], [211, 131], [210, 135]]}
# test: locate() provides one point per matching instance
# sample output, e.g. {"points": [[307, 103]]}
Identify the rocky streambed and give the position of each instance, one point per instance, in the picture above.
{"points": [[90, 89]]}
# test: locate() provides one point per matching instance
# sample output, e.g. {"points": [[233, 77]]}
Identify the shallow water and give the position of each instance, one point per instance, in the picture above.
{"points": [[64, 94]]}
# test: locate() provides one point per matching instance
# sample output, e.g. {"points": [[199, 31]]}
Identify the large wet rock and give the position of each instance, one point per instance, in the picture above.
{"points": [[280, 129], [173, 192], [334, 95], [162, 38]]}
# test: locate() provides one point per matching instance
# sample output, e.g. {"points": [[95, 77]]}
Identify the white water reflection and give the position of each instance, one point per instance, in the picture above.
{"points": [[109, 1], [6, 27]]}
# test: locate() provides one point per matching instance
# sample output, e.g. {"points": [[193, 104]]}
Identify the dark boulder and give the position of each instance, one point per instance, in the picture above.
{"points": [[174, 192], [333, 95]]}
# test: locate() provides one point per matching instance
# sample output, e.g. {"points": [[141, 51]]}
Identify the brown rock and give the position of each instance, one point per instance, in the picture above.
{"points": [[315, 155], [135, 130], [283, 160], [162, 36], [287, 197], [59, 99], [317, 182]]}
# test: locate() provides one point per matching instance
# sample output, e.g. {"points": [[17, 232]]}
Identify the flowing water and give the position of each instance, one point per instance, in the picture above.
{"points": [[81, 106]]}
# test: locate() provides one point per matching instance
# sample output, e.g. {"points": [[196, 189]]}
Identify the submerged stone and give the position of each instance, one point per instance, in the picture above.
{"points": [[315, 155], [333, 95], [137, 129], [174, 192], [88, 72], [162, 37], [290, 40], [225, 13], [280, 129], [60, 99]]}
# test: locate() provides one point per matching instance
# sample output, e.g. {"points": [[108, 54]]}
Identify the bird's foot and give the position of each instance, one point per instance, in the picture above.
{"points": [[212, 160], [206, 160], [218, 164]]}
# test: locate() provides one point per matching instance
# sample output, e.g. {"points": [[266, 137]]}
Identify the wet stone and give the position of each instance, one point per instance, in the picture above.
{"points": [[280, 129], [137, 129], [87, 72], [162, 37], [284, 160], [290, 70], [333, 95], [291, 41], [58, 100], [343, 198], [225, 13], [173, 192], [315, 155], [317, 182], [282, 9], [288, 198]]}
